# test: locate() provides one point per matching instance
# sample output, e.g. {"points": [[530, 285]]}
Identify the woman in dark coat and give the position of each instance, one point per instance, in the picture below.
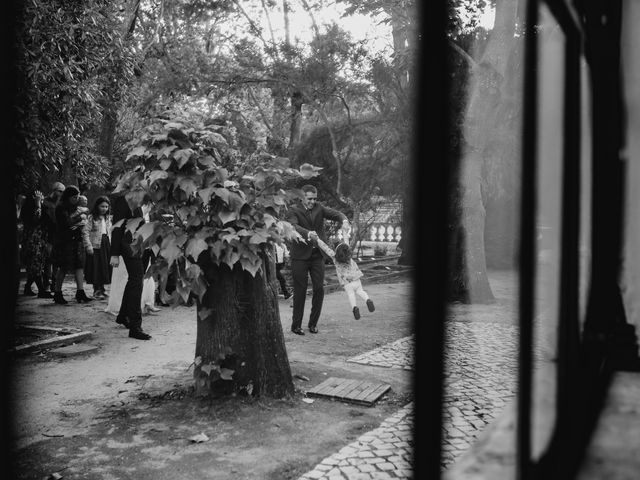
{"points": [[68, 248], [35, 249]]}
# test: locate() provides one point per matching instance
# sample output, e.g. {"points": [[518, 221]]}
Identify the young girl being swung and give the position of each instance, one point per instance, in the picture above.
{"points": [[348, 275]]}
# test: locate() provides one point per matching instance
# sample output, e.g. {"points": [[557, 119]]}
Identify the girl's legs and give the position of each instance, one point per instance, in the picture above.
{"points": [[360, 291], [350, 288]]}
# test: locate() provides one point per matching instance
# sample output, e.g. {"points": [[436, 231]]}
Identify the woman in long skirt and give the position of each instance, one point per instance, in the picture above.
{"points": [[97, 268], [35, 251]]}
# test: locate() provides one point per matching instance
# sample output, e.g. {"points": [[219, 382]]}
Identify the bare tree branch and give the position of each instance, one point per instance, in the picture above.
{"points": [[253, 25], [463, 54], [273, 38], [307, 8], [334, 147]]}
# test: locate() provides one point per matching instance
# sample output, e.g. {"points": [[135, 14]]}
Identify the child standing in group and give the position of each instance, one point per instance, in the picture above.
{"points": [[348, 275], [97, 228]]}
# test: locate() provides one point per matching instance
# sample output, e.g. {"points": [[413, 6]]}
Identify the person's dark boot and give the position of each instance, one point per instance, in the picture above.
{"points": [[356, 313], [287, 295], [138, 334], [28, 292], [81, 297], [59, 299]]}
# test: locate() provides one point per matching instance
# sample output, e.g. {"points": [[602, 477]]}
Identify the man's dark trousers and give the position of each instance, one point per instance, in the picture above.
{"points": [[300, 269], [130, 306]]}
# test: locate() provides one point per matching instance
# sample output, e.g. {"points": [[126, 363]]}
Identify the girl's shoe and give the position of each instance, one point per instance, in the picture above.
{"points": [[59, 299], [99, 295], [356, 313], [370, 305], [152, 308], [81, 297]]}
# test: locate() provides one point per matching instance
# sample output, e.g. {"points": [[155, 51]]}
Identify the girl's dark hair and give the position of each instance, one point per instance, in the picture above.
{"points": [[99, 200], [343, 253], [70, 191]]}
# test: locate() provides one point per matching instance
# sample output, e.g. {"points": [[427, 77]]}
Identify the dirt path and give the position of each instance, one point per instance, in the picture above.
{"points": [[127, 410]]}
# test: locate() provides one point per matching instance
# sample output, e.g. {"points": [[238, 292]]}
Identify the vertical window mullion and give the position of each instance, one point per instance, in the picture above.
{"points": [[527, 245]]}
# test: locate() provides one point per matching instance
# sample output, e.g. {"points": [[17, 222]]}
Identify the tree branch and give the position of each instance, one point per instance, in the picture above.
{"points": [[334, 148], [307, 8], [252, 24], [463, 54], [261, 111], [273, 38]]}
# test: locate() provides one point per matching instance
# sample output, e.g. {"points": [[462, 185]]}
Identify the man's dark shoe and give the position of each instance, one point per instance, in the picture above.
{"points": [[370, 305], [59, 299], [45, 294], [123, 321], [297, 331], [287, 295], [313, 329], [138, 334], [356, 313], [81, 297]]}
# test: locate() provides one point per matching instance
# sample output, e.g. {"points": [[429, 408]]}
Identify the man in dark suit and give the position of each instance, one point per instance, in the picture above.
{"points": [[306, 258], [130, 314]]}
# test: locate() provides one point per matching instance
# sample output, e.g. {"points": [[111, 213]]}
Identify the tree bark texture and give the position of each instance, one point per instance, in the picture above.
{"points": [[109, 112], [485, 129], [107, 131], [240, 318]]}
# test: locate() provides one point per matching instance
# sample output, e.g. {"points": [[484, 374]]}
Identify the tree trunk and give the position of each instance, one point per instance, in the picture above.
{"points": [[239, 329], [109, 112], [483, 131], [107, 131], [296, 122]]}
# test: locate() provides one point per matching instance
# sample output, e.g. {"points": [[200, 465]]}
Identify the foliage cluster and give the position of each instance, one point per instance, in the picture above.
{"points": [[70, 55], [207, 199]]}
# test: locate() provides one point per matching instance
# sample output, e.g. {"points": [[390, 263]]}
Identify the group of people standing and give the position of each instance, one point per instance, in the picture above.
{"points": [[61, 235]]}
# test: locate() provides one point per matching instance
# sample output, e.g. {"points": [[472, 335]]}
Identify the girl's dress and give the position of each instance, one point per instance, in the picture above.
{"points": [[349, 277]]}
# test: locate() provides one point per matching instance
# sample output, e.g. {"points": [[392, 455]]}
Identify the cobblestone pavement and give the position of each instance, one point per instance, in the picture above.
{"points": [[398, 354], [382, 453], [480, 375]]}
